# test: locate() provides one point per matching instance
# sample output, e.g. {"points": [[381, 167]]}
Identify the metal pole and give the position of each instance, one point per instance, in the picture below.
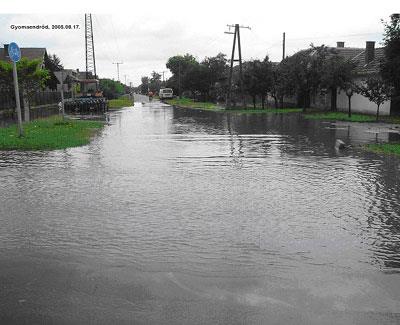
{"points": [[17, 101], [283, 46], [240, 68], [228, 100]]}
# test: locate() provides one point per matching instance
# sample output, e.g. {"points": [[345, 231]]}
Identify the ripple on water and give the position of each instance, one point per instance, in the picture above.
{"points": [[244, 201]]}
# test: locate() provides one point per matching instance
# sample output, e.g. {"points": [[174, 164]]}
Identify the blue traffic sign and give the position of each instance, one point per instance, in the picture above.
{"points": [[14, 52]]}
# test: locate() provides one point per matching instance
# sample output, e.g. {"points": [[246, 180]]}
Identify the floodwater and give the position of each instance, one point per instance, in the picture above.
{"points": [[175, 216]]}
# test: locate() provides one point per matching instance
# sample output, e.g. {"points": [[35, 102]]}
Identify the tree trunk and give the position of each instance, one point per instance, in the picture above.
{"points": [[333, 99], [349, 105], [263, 101], [254, 101], [395, 104], [305, 100], [377, 112], [276, 101]]}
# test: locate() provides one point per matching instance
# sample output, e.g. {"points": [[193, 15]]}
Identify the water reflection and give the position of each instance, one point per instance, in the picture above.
{"points": [[211, 196]]}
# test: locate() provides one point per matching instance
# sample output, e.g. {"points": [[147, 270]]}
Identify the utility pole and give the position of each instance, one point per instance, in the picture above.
{"points": [[236, 36], [125, 75], [163, 75], [118, 63], [283, 45]]}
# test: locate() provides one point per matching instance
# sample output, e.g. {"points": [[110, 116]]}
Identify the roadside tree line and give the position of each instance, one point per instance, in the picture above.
{"points": [[318, 70]]}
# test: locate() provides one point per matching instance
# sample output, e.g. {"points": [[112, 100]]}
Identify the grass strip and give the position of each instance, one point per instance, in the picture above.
{"points": [[189, 103], [119, 103], [49, 134], [385, 148], [340, 116]]}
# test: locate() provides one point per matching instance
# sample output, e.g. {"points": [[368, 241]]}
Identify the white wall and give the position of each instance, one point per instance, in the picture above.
{"points": [[360, 104]]}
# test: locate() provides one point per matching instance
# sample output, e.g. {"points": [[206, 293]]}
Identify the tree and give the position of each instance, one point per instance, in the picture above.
{"points": [[217, 67], [180, 63], [31, 78], [257, 79], [179, 66], [337, 73], [376, 90], [155, 82], [52, 63], [250, 81], [144, 86], [196, 80], [111, 89], [264, 77], [304, 71], [390, 66], [281, 84]]}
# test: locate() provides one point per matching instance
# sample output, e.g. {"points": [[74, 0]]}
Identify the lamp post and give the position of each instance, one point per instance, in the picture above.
{"points": [[349, 93]]}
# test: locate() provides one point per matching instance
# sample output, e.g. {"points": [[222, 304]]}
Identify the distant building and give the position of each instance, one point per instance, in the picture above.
{"points": [[367, 61], [31, 53], [77, 82], [89, 84]]}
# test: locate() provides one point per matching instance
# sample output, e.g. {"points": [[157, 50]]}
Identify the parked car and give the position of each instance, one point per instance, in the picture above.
{"points": [[166, 93]]}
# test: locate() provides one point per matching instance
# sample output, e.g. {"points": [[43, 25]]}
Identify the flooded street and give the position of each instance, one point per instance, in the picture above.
{"points": [[175, 216]]}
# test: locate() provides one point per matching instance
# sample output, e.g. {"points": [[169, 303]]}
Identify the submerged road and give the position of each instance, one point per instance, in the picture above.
{"points": [[174, 216]]}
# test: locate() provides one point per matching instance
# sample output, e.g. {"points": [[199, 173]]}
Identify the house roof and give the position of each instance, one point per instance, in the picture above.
{"points": [[357, 55], [30, 53]]}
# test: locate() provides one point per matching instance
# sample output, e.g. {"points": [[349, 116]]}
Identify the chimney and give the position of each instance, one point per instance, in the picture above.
{"points": [[340, 44], [6, 50], [369, 51]]}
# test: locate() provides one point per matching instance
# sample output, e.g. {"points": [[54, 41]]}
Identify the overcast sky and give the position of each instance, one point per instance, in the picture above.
{"points": [[143, 35]]}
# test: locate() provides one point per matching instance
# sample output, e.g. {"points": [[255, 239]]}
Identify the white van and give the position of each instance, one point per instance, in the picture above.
{"points": [[166, 93]]}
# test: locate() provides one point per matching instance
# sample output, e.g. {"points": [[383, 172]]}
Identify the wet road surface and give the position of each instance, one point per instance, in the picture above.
{"points": [[175, 216]]}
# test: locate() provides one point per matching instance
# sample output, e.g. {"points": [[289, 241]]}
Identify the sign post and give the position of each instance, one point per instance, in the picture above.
{"points": [[60, 77], [15, 55]]}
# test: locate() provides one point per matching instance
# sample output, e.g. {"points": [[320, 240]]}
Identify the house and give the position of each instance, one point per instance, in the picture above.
{"points": [[31, 53], [89, 84], [70, 78], [77, 82], [367, 61]]}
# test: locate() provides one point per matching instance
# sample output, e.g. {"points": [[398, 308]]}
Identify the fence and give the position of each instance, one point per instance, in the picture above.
{"points": [[7, 99]]}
